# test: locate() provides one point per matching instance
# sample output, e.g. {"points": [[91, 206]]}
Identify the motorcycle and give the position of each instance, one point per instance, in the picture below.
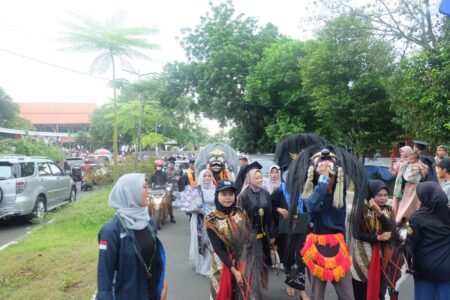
{"points": [[158, 206], [86, 184]]}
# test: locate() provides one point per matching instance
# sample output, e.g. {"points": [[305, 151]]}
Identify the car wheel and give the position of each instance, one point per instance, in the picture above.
{"points": [[73, 194], [39, 208]]}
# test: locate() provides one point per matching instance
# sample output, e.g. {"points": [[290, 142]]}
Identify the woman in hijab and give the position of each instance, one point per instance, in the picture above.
{"points": [[201, 203], [378, 222], [131, 262], [405, 200], [428, 242], [229, 231], [274, 179], [405, 151], [257, 203]]}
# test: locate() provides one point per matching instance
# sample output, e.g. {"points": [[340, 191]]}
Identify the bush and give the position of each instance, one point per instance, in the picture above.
{"points": [[104, 175], [30, 147]]}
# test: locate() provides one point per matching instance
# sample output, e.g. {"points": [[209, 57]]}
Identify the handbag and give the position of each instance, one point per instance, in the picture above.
{"points": [[300, 224]]}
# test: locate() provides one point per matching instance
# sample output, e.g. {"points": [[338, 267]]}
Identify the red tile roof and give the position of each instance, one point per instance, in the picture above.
{"points": [[57, 113]]}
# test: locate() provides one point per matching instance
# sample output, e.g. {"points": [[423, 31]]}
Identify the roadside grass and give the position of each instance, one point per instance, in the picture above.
{"points": [[57, 260]]}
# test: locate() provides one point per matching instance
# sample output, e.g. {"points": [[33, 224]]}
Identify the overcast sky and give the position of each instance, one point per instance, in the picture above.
{"points": [[29, 29]]}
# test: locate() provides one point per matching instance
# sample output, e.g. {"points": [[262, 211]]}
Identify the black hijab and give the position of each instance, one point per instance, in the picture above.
{"points": [[433, 210], [376, 186], [220, 207]]}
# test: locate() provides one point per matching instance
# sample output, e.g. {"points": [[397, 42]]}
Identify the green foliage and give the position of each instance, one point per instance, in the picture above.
{"points": [[113, 43], [31, 147], [8, 110], [420, 92], [344, 72], [275, 84], [222, 49], [103, 175]]}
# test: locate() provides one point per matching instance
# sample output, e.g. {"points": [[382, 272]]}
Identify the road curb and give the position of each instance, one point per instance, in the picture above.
{"points": [[7, 245]]}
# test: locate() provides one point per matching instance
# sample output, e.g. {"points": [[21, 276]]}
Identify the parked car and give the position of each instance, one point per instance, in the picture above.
{"points": [[72, 167], [98, 162], [31, 186]]}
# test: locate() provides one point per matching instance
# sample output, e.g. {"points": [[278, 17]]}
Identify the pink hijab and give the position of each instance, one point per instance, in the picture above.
{"points": [[248, 182]]}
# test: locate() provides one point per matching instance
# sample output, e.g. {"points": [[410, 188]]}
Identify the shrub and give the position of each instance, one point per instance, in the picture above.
{"points": [[30, 147]]}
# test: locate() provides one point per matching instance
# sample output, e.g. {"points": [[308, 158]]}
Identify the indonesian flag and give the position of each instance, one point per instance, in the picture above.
{"points": [[103, 245]]}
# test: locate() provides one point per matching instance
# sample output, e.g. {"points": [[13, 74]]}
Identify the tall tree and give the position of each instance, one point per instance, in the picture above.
{"points": [[345, 72], [420, 90], [8, 110], [221, 50], [407, 23], [276, 84], [113, 43]]}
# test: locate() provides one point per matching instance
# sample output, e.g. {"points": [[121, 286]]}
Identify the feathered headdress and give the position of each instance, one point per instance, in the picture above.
{"points": [[350, 175]]}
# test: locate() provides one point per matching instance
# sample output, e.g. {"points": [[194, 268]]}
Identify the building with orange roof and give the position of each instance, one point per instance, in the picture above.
{"points": [[58, 117]]}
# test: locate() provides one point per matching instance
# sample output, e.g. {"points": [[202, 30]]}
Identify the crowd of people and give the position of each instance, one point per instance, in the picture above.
{"points": [[297, 220]]}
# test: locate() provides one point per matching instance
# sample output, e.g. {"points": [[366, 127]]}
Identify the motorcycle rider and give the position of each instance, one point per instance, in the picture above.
{"points": [[188, 178], [159, 179]]}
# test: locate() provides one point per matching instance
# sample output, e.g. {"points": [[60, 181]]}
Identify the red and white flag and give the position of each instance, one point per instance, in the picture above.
{"points": [[103, 245]]}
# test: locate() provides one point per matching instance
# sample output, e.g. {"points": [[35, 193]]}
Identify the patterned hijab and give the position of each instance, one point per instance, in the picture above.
{"points": [[126, 197]]}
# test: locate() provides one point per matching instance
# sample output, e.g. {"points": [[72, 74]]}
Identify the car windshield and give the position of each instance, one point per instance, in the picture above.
{"points": [[75, 161], [96, 159], [266, 164], [5, 171]]}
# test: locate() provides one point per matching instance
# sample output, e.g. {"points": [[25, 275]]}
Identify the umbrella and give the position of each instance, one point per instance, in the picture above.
{"points": [[102, 151]]}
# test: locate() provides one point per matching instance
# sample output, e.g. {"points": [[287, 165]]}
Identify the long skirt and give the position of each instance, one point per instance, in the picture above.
{"points": [[199, 254]]}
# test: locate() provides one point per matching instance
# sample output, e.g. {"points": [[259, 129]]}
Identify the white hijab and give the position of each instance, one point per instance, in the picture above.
{"points": [[126, 197], [272, 185], [207, 189]]}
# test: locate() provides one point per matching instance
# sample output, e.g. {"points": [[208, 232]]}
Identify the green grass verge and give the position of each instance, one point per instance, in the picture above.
{"points": [[57, 260]]}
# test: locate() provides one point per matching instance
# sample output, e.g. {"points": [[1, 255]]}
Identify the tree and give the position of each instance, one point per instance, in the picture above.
{"points": [[8, 109], [114, 44], [276, 84], [420, 90], [9, 114], [221, 50], [345, 73], [409, 23]]}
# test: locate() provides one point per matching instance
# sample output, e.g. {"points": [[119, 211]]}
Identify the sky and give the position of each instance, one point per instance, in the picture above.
{"points": [[34, 69]]}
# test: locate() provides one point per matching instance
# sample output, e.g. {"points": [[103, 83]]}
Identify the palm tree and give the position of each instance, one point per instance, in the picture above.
{"points": [[113, 43]]}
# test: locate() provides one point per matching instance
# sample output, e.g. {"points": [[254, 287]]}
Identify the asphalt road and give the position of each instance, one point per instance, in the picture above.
{"points": [[185, 283]]}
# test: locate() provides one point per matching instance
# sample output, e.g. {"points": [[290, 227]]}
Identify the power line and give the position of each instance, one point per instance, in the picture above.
{"points": [[52, 65]]}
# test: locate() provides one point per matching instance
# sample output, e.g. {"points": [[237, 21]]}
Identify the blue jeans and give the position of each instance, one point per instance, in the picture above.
{"points": [[429, 290]]}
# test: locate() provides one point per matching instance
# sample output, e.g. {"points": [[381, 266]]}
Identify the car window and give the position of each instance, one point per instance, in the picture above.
{"points": [[97, 159], [75, 161], [26, 169], [56, 170], [6, 171], [44, 170]]}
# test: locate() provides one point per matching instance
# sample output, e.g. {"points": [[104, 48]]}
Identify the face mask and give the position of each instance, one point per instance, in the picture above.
{"points": [[158, 168]]}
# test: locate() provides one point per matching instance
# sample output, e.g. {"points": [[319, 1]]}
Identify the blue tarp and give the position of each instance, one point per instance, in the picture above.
{"points": [[382, 172], [445, 7]]}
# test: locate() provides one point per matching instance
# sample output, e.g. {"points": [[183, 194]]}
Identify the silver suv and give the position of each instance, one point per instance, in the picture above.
{"points": [[31, 186]]}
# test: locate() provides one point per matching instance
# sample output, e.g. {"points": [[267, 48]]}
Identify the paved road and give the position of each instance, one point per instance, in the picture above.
{"points": [[185, 283]]}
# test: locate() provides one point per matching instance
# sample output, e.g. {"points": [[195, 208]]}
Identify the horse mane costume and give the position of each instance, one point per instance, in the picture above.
{"points": [[220, 159]]}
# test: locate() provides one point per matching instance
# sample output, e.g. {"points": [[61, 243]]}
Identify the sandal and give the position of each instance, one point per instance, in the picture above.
{"points": [[290, 291]]}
